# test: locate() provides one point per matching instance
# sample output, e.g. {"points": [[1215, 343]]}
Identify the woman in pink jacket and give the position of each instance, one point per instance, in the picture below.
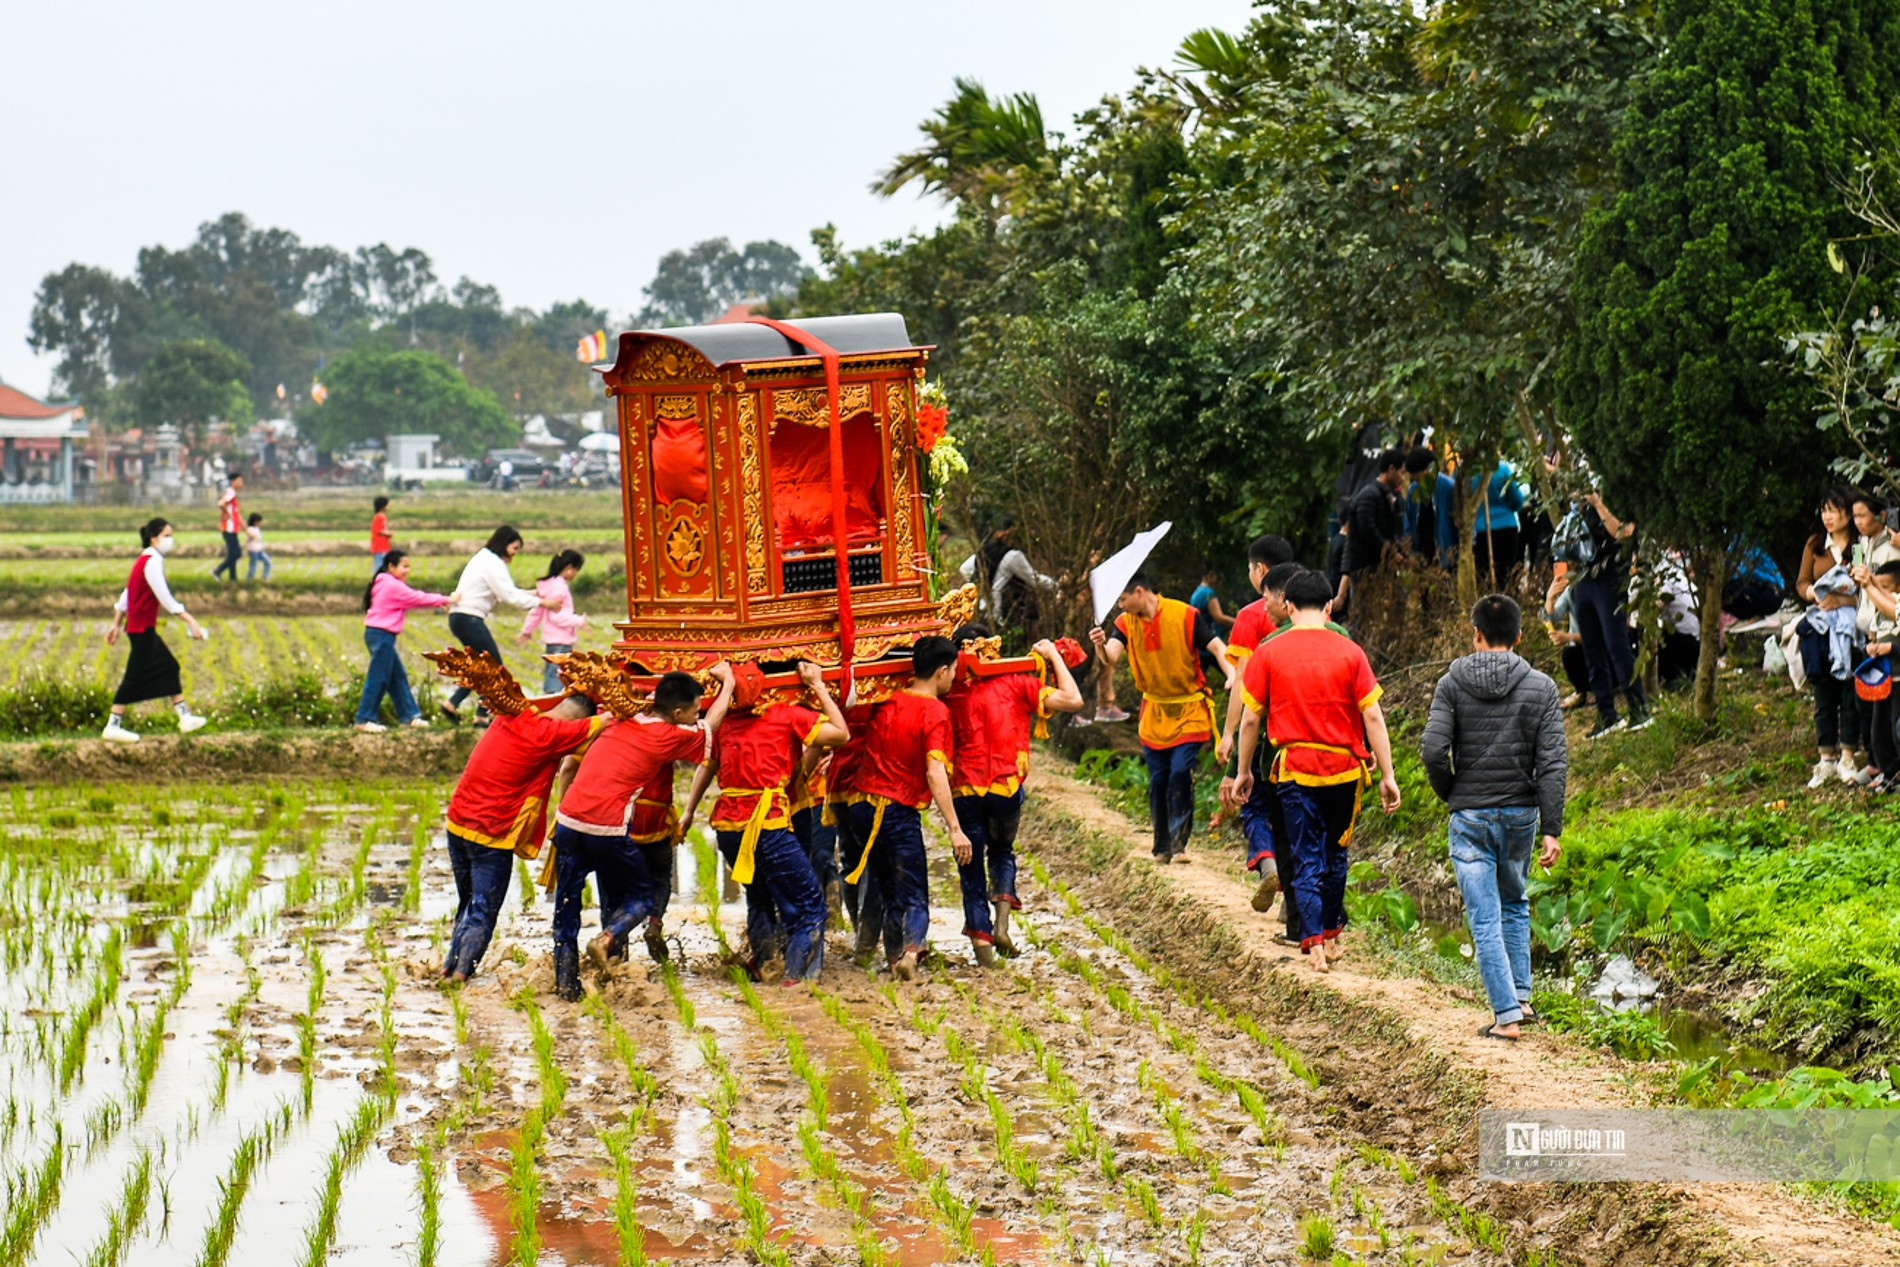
{"points": [[561, 625], [387, 602]]}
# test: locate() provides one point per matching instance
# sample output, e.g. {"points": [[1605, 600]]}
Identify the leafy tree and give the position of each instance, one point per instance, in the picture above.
{"points": [[376, 392], [696, 284], [978, 150], [191, 382], [1714, 250], [76, 313], [530, 377]]}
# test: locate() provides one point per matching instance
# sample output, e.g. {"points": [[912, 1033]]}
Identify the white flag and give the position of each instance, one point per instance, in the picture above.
{"points": [[1111, 575]]}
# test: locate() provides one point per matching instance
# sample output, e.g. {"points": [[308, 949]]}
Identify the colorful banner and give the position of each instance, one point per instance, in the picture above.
{"points": [[593, 348]]}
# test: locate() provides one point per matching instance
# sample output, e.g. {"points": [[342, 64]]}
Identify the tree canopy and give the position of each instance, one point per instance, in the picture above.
{"points": [[376, 392]]}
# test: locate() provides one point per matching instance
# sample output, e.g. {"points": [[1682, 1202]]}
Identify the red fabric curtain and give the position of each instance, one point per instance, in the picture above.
{"points": [[679, 461], [801, 483]]}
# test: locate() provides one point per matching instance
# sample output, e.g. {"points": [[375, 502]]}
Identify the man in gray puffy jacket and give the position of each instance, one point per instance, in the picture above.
{"points": [[1494, 750]]}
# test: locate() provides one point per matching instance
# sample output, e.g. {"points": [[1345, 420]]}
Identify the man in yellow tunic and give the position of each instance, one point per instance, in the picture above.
{"points": [[1163, 639]]}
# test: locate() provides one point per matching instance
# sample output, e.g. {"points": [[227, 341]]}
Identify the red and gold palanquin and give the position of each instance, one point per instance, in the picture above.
{"points": [[726, 476]]}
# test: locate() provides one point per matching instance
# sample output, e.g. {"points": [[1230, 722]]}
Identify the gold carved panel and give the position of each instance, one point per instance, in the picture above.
{"points": [[753, 486], [666, 362], [676, 408], [810, 407], [728, 572], [634, 493], [903, 531]]}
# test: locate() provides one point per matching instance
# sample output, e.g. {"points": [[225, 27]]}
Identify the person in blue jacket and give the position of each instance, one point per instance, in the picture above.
{"points": [[1497, 542]]}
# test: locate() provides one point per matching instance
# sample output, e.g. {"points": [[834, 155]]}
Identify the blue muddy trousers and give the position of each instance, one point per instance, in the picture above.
{"points": [[784, 898], [902, 869], [1171, 795], [622, 871], [481, 886], [1319, 822], [864, 901], [990, 822]]}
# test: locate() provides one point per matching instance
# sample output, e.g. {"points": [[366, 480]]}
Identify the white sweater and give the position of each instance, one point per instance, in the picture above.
{"points": [[486, 582]]}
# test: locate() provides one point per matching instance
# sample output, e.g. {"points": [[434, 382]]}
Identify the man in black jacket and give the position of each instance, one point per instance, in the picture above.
{"points": [[1374, 521], [1494, 750]]}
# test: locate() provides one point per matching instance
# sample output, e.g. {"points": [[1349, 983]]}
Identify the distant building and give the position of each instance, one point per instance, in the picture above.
{"points": [[37, 449]]}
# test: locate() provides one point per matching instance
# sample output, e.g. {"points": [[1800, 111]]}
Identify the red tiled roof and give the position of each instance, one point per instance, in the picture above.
{"points": [[17, 404], [738, 312]]}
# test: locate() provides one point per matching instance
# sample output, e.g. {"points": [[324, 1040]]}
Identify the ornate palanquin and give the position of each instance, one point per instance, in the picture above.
{"points": [[726, 472]]}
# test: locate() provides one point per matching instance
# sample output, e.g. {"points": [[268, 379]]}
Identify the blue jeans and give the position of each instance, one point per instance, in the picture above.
{"points": [[257, 557], [623, 872], [386, 677], [1491, 852], [658, 855], [1264, 829], [376, 561], [472, 632], [902, 869], [551, 676], [1171, 795], [1318, 823], [784, 900], [1603, 620], [232, 548], [481, 886], [990, 875]]}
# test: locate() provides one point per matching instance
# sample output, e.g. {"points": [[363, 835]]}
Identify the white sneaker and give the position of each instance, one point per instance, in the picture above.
{"points": [[188, 722], [1824, 769], [1847, 772], [118, 733], [371, 727], [420, 723]]}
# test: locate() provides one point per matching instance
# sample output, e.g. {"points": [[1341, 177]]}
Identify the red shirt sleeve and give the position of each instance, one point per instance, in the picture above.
{"points": [[1365, 687], [801, 721], [1121, 627], [558, 737], [1253, 680]]}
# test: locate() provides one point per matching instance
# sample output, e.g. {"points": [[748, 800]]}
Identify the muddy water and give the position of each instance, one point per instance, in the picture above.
{"points": [[1127, 1140]]}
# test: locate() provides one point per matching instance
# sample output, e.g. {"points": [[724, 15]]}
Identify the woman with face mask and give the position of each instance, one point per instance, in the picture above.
{"points": [[151, 672]]}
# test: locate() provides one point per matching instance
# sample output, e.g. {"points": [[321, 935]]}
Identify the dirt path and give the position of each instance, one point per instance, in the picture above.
{"points": [[1545, 1071]]}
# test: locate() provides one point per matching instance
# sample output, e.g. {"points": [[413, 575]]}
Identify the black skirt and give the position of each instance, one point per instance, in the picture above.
{"points": [[151, 672]]}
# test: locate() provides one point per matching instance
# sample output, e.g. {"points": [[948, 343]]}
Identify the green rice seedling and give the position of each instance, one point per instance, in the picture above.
{"points": [[683, 1005], [105, 987], [553, 1077], [1144, 1194], [957, 1214], [525, 883], [148, 1046], [524, 1191], [351, 1143], [1194, 1235], [31, 1201], [627, 1229], [233, 1188], [420, 833], [126, 1216], [1315, 1233]]}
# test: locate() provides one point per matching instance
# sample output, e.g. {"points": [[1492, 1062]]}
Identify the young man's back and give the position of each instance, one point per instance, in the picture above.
{"points": [[1494, 751]]}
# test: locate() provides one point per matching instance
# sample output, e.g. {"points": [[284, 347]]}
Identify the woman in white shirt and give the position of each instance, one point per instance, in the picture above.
{"points": [[151, 672], [486, 582]]}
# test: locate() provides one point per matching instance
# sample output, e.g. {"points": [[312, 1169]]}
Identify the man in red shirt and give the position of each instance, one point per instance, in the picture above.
{"points": [[231, 524], [498, 811], [596, 813], [990, 720], [905, 765], [1322, 713], [379, 540], [758, 757]]}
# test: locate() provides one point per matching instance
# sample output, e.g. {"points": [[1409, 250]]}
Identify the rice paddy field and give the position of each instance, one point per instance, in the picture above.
{"points": [[224, 1043]]}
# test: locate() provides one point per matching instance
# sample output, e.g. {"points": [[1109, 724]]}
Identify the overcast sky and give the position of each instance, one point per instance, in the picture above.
{"points": [[551, 150]]}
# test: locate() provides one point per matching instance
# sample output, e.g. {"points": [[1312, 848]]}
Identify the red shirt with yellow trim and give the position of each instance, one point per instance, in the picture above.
{"points": [[653, 817], [1312, 684], [759, 752], [501, 799], [990, 720], [1251, 627], [905, 734], [841, 777], [626, 758]]}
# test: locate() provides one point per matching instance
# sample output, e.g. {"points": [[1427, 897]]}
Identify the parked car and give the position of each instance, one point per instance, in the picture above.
{"points": [[528, 466]]}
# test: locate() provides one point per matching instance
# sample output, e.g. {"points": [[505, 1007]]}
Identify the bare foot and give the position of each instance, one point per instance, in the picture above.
{"points": [[1335, 949], [1317, 952]]}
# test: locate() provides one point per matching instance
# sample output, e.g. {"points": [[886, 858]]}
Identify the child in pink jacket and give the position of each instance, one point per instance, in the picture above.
{"points": [[560, 626], [386, 603]]}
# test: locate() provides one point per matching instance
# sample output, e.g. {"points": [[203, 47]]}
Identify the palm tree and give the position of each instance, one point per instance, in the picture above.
{"points": [[978, 150]]}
